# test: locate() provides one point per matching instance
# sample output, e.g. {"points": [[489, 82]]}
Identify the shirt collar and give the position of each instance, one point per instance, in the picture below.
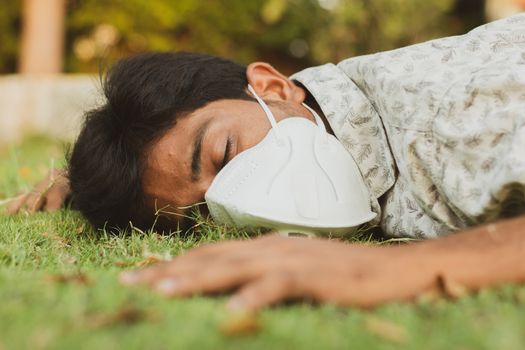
{"points": [[355, 122]]}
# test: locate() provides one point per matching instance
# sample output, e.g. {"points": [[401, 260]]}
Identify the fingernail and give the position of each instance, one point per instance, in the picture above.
{"points": [[167, 286], [235, 304], [128, 278]]}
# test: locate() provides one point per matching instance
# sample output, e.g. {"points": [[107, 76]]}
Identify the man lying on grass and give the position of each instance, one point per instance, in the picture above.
{"points": [[436, 130]]}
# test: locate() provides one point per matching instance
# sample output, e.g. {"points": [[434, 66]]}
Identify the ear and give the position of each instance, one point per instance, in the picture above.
{"points": [[270, 84]]}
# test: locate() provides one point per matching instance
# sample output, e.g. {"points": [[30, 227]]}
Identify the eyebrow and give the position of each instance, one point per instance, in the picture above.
{"points": [[197, 150]]}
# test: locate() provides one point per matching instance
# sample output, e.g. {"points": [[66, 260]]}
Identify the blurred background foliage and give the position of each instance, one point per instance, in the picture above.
{"points": [[10, 13], [291, 34]]}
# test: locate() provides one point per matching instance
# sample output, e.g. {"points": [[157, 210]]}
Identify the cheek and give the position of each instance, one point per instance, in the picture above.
{"points": [[206, 183], [253, 133], [160, 187], [191, 194]]}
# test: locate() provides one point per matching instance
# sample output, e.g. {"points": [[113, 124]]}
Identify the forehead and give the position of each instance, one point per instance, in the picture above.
{"points": [[167, 168], [167, 176]]}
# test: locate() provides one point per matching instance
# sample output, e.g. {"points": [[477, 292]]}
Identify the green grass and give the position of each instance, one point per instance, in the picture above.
{"points": [[59, 290]]}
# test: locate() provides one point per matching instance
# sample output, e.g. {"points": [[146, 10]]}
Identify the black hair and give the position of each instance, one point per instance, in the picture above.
{"points": [[145, 95]]}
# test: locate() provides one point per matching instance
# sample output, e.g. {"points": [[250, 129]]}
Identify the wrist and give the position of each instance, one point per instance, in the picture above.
{"points": [[479, 257]]}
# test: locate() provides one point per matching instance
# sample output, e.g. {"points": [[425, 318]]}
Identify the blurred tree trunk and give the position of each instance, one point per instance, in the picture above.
{"points": [[42, 47]]}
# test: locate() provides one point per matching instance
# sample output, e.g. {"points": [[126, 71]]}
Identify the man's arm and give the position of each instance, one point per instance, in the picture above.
{"points": [[271, 269], [48, 195]]}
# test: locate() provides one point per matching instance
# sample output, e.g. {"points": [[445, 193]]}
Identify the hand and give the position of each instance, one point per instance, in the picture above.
{"points": [[48, 195], [271, 269]]}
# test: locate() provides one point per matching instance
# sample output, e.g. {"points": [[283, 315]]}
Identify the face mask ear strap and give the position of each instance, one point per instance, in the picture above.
{"points": [[318, 119], [267, 110]]}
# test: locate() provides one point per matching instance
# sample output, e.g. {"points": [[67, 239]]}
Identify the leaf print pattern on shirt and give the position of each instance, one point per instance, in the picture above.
{"points": [[437, 129]]}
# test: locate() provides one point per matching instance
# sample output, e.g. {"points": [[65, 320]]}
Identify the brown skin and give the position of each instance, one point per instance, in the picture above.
{"points": [[271, 269], [48, 195], [168, 181]]}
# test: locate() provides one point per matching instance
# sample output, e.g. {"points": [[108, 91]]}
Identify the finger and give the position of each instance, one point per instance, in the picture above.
{"points": [[265, 291], [211, 281], [203, 258], [35, 202], [17, 203], [195, 260], [55, 199], [37, 197], [152, 275]]}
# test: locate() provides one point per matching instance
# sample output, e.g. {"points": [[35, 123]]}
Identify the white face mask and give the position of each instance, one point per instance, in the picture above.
{"points": [[299, 178]]}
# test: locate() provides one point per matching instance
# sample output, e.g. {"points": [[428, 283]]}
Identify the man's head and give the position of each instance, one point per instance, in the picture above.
{"points": [[170, 123]]}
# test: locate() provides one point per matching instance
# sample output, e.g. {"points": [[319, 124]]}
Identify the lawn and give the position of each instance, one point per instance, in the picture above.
{"points": [[59, 290]]}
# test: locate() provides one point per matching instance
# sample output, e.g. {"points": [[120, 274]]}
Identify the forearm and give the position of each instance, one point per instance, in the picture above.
{"points": [[270, 269], [479, 257]]}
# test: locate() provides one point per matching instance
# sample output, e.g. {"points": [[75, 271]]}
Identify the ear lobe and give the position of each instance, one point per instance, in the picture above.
{"points": [[269, 83]]}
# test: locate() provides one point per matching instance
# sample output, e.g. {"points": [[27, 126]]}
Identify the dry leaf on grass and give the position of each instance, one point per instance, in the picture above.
{"points": [[121, 263], [79, 230], [386, 329], [76, 278], [123, 316], [444, 287], [451, 288], [241, 324], [150, 260], [61, 241]]}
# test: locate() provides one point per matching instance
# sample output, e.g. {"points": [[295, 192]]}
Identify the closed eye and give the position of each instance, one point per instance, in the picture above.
{"points": [[227, 151]]}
